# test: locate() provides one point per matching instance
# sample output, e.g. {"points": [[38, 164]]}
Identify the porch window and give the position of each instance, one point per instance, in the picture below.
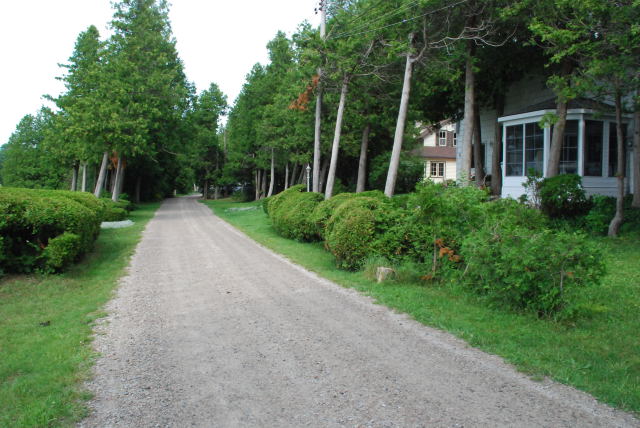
{"points": [[515, 148], [534, 147], [442, 138], [437, 169], [593, 144], [569, 153]]}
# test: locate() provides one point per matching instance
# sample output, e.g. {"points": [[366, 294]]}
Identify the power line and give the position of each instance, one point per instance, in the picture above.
{"points": [[339, 36], [400, 9]]}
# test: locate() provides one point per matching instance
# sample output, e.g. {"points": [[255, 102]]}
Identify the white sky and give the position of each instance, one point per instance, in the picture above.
{"points": [[218, 41]]}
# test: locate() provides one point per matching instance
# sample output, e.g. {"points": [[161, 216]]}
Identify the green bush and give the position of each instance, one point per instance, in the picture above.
{"points": [[31, 219], [274, 201], [603, 208], [291, 216], [563, 196], [114, 213], [532, 271], [60, 252], [351, 231]]}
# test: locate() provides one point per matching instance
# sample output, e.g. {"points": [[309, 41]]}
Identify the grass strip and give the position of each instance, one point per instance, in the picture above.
{"points": [[598, 353], [46, 326]]}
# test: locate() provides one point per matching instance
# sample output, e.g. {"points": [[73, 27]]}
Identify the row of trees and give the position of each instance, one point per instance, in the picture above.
{"points": [[378, 66], [128, 112]]}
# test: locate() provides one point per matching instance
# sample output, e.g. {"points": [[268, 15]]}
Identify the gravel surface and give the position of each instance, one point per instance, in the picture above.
{"points": [[210, 329]]}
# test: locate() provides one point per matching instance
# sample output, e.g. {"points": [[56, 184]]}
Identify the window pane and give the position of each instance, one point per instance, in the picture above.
{"points": [[613, 147], [514, 161], [569, 154], [534, 147], [593, 148]]}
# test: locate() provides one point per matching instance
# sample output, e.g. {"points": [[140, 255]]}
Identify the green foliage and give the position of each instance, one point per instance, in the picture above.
{"points": [[291, 216], [34, 218], [563, 196], [271, 204], [60, 252], [410, 172], [602, 211], [539, 271]]}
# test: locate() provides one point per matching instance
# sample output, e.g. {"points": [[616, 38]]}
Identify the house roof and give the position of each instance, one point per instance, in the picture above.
{"points": [[578, 103], [430, 129], [437, 152]]}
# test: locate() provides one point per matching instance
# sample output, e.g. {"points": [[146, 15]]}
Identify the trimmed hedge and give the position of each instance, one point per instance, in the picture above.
{"points": [[33, 220], [291, 215]]}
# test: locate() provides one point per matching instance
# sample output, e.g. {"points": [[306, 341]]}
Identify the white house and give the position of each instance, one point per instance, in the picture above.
{"points": [[438, 150], [589, 147]]}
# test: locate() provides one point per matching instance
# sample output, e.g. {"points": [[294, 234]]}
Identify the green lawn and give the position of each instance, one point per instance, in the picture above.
{"points": [[45, 331], [598, 353]]}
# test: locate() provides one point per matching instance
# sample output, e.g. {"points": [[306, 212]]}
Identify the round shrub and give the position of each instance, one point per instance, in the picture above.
{"points": [[351, 231], [60, 252], [325, 209], [563, 196], [292, 216], [114, 213], [274, 201]]}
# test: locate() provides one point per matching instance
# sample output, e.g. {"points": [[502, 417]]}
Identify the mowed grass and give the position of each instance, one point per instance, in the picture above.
{"points": [[45, 331], [599, 352]]}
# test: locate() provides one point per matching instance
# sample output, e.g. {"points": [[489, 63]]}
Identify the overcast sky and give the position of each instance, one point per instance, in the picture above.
{"points": [[218, 41]]}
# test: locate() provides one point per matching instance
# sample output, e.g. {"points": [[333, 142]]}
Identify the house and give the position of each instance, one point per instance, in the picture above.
{"points": [[438, 150], [589, 147]]}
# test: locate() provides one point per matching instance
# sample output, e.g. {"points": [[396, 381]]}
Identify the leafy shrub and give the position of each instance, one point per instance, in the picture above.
{"points": [[352, 229], [291, 216], [603, 208], [60, 252], [532, 271], [33, 218], [265, 204], [563, 196], [410, 172], [274, 201], [114, 213]]}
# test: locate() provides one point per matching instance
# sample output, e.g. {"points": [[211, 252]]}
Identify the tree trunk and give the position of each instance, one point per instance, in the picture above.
{"points": [[103, 171], [293, 175], [496, 171], [464, 173], [205, 189], [636, 159], [263, 187], [323, 171], [362, 163], [74, 176], [138, 185], [115, 193], [557, 138], [257, 176], [84, 177], [272, 178], [477, 147], [392, 174], [316, 137], [614, 226], [302, 175], [286, 176], [336, 138], [216, 192]]}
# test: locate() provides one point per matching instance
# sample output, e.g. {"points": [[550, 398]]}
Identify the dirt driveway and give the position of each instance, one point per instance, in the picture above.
{"points": [[211, 330]]}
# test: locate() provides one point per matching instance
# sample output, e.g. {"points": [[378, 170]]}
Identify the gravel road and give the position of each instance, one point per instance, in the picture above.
{"points": [[210, 329]]}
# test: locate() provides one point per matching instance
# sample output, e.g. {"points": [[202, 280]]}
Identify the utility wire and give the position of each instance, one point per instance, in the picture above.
{"points": [[401, 9], [342, 35]]}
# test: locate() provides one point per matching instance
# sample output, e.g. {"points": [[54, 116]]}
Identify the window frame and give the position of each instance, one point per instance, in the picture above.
{"points": [[442, 136]]}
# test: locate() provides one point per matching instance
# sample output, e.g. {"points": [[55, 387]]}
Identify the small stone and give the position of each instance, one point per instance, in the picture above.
{"points": [[384, 273]]}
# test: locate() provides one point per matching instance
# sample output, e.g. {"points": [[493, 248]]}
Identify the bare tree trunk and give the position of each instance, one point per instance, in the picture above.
{"points": [[138, 185], [302, 175], [257, 175], [293, 175], [362, 163], [74, 176], [336, 138], [464, 173], [557, 138], [216, 192], [392, 175], [205, 189], [103, 171], [636, 159], [496, 171], [115, 189], [286, 176], [263, 187], [273, 172], [614, 226], [318, 118], [477, 147], [323, 171], [84, 177]]}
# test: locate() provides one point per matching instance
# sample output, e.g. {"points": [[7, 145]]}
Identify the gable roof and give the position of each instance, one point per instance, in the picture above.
{"points": [[437, 152]]}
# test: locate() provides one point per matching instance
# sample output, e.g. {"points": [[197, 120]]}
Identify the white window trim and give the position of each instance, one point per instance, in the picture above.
{"points": [[442, 139]]}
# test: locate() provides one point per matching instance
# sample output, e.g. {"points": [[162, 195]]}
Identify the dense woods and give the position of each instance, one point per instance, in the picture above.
{"points": [[335, 107]]}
